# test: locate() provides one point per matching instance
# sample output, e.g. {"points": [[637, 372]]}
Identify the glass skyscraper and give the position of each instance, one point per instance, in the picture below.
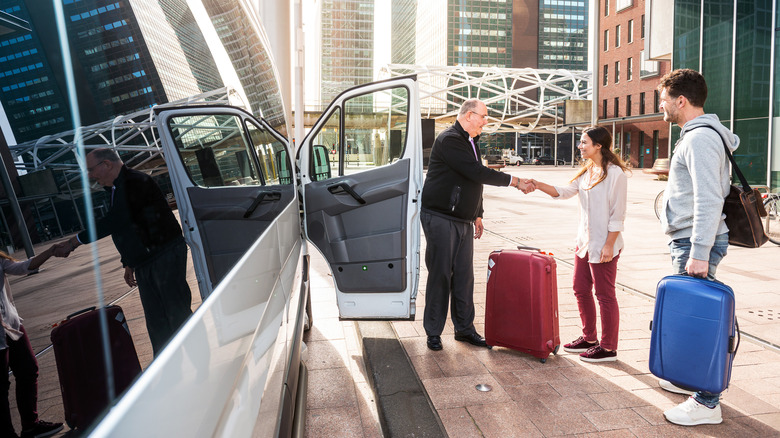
{"points": [[479, 33], [123, 60], [404, 31], [347, 57], [563, 34], [739, 79]]}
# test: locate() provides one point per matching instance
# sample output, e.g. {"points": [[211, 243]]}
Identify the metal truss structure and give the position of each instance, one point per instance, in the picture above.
{"points": [[518, 100], [522, 100], [133, 136]]}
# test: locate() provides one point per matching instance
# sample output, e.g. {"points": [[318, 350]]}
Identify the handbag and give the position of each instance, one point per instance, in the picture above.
{"points": [[744, 209]]}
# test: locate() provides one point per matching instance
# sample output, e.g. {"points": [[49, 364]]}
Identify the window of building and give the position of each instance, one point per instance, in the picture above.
{"points": [[617, 107], [641, 103], [606, 40], [628, 105], [630, 69], [606, 75], [627, 146], [617, 72], [642, 28], [655, 145], [656, 101], [647, 68], [606, 8], [617, 36], [630, 31], [604, 109], [623, 4]]}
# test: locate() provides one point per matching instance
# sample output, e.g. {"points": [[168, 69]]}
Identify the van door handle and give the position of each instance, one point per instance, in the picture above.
{"points": [[272, 196], [344, 187]]}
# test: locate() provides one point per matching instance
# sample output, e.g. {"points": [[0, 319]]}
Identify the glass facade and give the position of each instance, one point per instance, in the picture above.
{"points": [[250, 59], [746, 67], [125, 62], [563, 34], [404, 32], [479, 33], [347, 57]]}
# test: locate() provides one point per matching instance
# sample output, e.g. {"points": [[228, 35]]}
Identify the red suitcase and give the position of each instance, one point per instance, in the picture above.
{"points": [[78, 351], [521, 310]]}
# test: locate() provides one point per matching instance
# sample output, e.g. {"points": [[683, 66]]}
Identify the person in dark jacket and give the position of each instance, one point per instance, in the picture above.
{"points": [[451, 217], [149, 240]]}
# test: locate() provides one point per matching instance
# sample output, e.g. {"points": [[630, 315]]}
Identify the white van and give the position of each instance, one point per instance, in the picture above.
{"points": [[249, 206]]}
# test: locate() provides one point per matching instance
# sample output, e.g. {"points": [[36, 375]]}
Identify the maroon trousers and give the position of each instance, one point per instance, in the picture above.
{"points": [[600, 276], [19, 357]]}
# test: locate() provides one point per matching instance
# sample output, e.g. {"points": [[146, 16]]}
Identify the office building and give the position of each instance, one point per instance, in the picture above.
{"points": [[628, 102], [347, 52]]}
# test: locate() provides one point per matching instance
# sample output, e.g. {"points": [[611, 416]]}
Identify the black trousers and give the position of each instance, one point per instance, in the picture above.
{"points": [[165, 294], [449, 257]]}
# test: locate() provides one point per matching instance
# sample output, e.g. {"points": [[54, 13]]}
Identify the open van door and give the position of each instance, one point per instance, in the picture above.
{"points": [[361, 174]]}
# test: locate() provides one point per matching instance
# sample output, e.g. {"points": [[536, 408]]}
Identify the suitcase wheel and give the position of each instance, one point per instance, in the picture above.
{"points": [[489, 347], [543, 360], [555, 351]]}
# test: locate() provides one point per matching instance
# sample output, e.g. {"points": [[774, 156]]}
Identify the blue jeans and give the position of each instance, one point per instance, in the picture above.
{"points": [[680, 250]]}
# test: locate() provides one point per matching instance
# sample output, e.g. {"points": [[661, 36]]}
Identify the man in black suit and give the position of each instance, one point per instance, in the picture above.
{"points": [[451, 218]]}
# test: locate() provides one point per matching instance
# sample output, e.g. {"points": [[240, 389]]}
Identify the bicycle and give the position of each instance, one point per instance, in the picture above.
{"points": [[658, 205], [772, 220]]}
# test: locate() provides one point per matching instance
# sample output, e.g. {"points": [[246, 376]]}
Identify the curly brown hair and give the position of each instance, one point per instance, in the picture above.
{"points": [[685, 82]]}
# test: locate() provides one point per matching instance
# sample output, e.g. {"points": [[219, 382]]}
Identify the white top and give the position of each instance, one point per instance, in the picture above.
{"points": [[602, 209], [10, 321]]}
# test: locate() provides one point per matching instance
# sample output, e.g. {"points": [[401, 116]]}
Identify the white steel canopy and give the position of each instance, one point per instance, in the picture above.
{"points": [[130, 133], [519, 100]]}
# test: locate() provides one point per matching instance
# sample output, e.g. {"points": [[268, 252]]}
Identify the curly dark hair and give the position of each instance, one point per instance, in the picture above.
{"points": [[685, 82]]}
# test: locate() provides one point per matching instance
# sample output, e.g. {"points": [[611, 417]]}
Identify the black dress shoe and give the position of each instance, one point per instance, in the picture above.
{"points": [[434, 343], [472, 338]]}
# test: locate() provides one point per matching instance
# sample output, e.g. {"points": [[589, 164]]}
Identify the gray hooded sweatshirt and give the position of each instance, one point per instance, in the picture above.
{"points": [[699, 180]]}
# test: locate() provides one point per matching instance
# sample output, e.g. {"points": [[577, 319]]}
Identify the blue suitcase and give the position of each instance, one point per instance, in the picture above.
{"points": [[694, 333]]}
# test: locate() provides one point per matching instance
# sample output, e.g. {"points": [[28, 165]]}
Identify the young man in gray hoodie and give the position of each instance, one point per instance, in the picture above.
{"points": [[699, 179]]}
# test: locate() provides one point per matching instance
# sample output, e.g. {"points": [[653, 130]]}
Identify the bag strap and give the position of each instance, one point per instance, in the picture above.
{"points": [[742, 179]]}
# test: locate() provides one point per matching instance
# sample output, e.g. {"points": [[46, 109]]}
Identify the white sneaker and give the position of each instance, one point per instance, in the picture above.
{"points": [[693, 413], [671, 387]]}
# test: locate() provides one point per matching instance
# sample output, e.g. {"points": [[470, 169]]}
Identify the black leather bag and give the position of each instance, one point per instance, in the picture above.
{"points": [[744, 209]]}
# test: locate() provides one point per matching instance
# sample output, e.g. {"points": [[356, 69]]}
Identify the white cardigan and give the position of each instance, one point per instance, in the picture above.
{"points": [[602, 210]]}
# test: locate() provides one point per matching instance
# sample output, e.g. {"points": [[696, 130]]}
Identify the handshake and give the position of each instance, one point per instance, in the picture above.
{"points": [[524, 185], [63, 249]]}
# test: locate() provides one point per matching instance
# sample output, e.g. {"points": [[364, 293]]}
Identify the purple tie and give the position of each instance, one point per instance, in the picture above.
{"points": [[474, 147]]}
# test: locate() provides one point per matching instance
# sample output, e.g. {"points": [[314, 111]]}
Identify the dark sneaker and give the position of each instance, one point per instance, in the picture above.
{"points": [[598, 354], [42, 429], [579, 345]]}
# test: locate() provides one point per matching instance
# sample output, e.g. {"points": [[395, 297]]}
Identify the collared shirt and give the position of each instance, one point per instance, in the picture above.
{"points": [[602, 209]]}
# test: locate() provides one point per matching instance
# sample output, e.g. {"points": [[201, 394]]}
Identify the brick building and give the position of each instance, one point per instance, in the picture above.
{"points": [[628, 100]]}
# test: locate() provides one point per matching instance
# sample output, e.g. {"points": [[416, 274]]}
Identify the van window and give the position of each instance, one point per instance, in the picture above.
{"points": [[215, 151], [271, 154]]}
